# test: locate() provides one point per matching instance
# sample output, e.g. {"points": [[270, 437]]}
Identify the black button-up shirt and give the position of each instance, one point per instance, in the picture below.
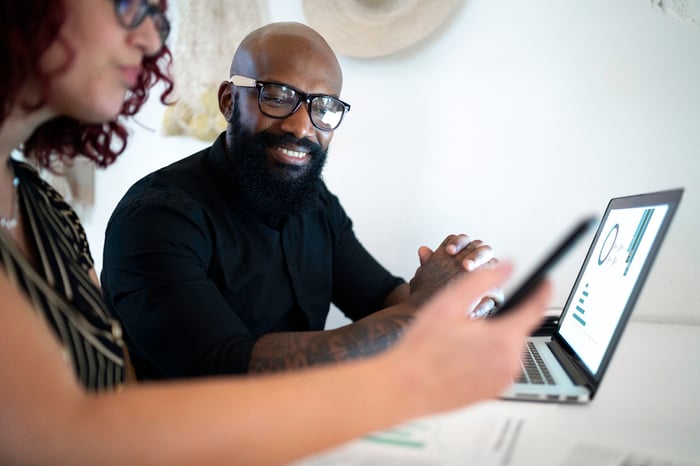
{"points": [[197, 277]]}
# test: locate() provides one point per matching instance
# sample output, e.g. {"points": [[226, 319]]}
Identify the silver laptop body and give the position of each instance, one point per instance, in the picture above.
{"points": [[599, 306]]}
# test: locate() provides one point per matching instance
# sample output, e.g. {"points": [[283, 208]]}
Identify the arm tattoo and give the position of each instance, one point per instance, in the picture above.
{"points": [[359, 339], [356, 340]]}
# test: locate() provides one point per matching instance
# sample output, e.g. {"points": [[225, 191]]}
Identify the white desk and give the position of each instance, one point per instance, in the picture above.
{"points": [[647, 410]]}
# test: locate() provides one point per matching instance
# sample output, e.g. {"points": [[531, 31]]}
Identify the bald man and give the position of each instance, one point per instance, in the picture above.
{"points": [[228, 260]]}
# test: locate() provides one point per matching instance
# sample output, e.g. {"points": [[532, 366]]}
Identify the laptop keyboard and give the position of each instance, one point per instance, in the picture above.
{"points": [[534, 370]]}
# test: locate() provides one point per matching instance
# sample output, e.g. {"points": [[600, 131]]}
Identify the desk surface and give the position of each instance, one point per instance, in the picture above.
{"points": [[646, 411]]}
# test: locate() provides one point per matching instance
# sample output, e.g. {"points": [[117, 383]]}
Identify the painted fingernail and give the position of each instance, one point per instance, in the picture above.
{"points": [[483, 310]]}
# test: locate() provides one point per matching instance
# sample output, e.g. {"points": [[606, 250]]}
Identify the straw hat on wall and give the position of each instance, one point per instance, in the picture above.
{"points": [[373, 28]]}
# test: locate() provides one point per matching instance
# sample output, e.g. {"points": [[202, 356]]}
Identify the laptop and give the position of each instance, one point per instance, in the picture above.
{"points": [[569, 365]]}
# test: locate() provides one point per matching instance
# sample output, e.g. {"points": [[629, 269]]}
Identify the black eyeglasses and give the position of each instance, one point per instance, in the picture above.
{"points": [[131, 14], [281, 100]]}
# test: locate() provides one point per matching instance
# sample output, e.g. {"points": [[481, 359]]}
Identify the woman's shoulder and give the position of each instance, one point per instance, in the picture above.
{"points": [[41, 198]]}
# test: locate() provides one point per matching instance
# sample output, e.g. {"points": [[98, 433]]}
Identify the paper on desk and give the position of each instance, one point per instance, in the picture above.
{"points": [[584, 454], [484, 440], [411, 444]]}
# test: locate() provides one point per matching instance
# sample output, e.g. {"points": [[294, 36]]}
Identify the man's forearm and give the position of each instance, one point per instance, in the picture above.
{"points": [[398, 295], [288, 350]]}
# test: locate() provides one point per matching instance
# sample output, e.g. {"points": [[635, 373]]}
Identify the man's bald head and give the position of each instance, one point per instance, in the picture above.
{"points": [[292, 53]]}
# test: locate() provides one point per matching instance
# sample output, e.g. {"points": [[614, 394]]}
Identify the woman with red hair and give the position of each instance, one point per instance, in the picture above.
{"points": [[73, 72]]}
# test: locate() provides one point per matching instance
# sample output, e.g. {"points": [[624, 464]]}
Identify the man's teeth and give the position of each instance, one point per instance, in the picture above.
{"points": [[293, 153]]}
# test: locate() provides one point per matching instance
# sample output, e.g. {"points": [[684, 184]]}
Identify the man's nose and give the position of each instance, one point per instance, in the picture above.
{"points": [[299, 123]]}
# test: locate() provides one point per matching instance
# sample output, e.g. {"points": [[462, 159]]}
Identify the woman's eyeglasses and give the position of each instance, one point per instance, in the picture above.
{"points": [[131, 14], [278, 100]]}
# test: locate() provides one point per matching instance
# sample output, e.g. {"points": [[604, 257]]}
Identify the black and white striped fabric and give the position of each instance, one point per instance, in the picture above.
{"points": [[60, 287]]}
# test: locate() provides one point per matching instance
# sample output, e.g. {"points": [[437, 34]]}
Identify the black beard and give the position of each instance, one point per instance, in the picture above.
{"points": [[278, 190]]}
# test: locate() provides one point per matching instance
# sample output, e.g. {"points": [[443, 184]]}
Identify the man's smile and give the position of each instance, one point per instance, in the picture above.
{"points": [[289, 156]]}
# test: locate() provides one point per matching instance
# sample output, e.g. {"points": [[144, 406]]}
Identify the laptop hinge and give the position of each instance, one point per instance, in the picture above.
{"points": [[574, 371]]}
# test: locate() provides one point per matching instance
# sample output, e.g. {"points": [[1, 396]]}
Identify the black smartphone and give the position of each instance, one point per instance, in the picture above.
{"points": [[535, 278]]}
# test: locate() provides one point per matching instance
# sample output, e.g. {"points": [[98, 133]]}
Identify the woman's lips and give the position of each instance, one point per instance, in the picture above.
{"points": [[130, 74]]}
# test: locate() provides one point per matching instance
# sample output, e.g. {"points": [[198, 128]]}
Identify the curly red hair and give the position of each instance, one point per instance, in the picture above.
{"points": [[27, 29]]}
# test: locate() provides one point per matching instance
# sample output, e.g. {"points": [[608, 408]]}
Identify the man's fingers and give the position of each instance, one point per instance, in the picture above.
{"points": [[459, 297], [456, 243], [424, 254], [479, 256]]}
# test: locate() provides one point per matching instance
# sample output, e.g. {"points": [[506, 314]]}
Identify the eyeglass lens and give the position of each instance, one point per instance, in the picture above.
{"points": [[131, 13], [280, 101]]}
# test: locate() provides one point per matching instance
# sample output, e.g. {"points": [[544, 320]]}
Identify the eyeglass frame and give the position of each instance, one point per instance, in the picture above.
{"points": [[145, 10], [244, 81]]}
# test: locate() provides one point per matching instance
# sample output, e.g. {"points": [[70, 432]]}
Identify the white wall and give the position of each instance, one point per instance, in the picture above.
{"points": [[508, 124]]}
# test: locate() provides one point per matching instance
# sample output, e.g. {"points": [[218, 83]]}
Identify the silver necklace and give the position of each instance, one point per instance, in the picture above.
{"points": [[10, 223]]}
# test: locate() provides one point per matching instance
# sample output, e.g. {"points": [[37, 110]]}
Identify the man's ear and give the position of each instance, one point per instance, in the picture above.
{"points": [[226, 100]]}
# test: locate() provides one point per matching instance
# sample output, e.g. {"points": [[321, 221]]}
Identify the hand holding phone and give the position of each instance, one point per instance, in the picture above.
{"points": [[530, 284]]}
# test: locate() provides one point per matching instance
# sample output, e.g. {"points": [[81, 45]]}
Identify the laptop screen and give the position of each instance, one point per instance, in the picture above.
{"points": [[608, 279]]}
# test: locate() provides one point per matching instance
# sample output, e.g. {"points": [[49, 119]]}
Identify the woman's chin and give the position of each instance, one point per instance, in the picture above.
{"points": [[102, 115]]}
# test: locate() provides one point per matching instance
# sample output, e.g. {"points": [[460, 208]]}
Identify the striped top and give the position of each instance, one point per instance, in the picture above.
{"points": [[60, 287]]}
